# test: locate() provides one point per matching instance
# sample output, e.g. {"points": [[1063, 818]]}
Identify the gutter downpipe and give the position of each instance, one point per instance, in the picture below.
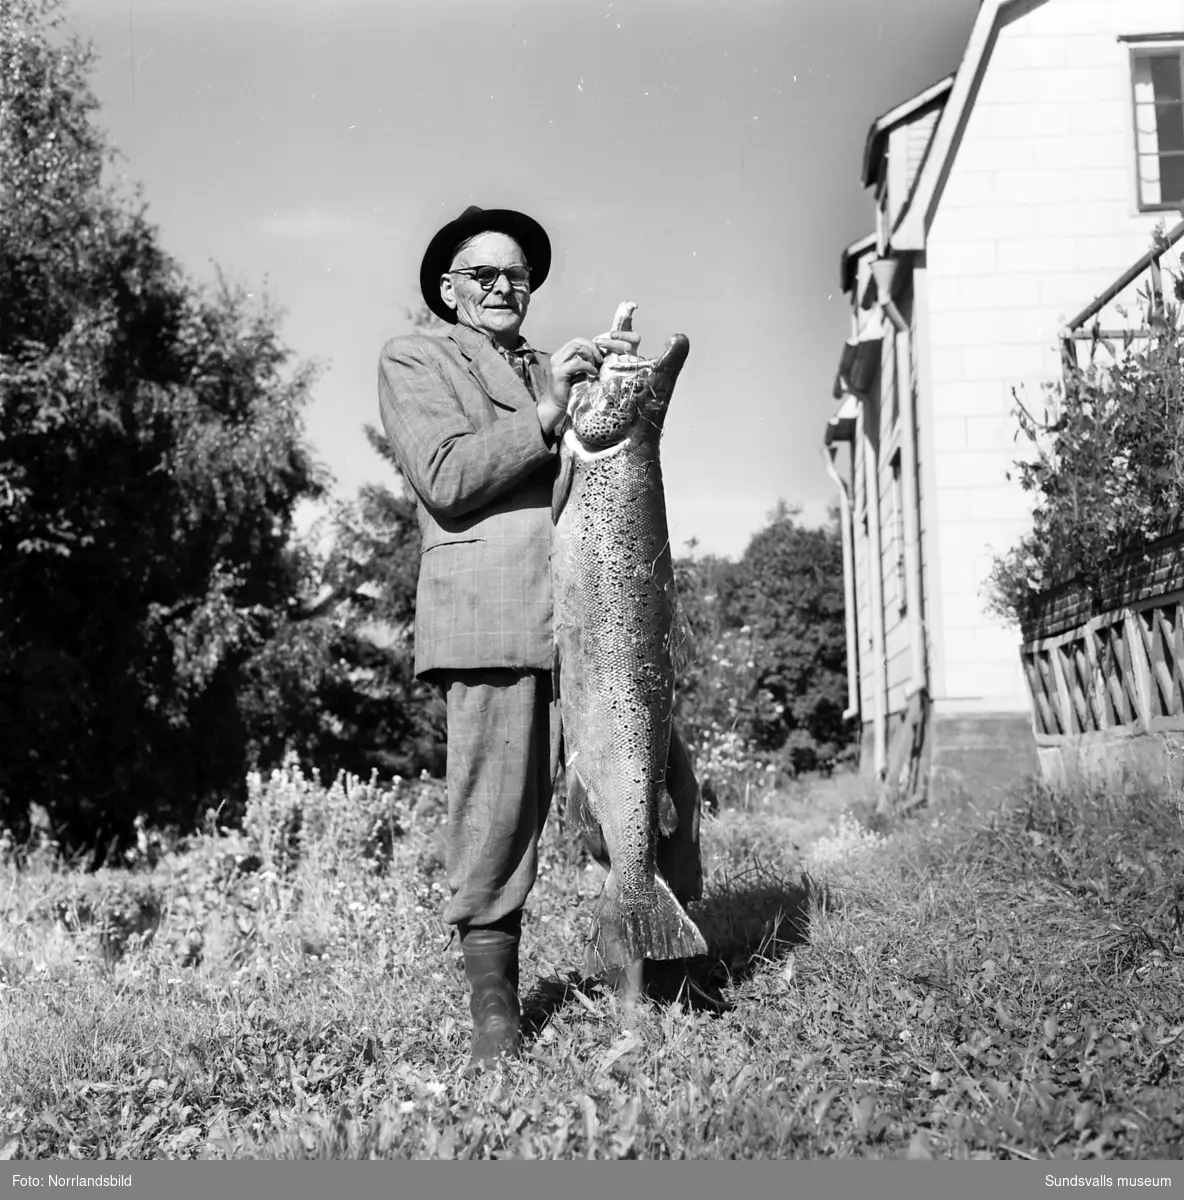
{"points": [[828, 455]]}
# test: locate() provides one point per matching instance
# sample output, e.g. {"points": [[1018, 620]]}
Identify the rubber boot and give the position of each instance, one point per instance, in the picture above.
{"points": [[491, 967]]}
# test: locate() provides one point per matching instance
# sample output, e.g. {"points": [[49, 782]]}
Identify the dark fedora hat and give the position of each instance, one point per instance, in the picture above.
{"points": [[526, 231]]}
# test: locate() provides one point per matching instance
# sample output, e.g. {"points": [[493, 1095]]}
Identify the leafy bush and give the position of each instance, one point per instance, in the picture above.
{"points": [[1106, 467]]}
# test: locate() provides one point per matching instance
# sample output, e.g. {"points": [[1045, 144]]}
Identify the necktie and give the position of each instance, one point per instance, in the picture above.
{"points": [[520, 360]]}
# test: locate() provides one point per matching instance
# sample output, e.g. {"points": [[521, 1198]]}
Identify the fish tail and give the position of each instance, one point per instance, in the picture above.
{"points": [[619, 937]]}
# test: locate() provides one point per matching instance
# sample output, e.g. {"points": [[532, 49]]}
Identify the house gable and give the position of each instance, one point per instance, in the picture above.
{"points": [[912, 226], [896, 145]]}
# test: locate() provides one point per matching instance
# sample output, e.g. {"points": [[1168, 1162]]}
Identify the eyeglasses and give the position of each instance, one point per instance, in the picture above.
{"points": [[517, 277]]}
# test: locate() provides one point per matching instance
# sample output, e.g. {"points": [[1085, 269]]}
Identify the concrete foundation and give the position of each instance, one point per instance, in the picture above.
{"points": [[1117, 761], [966, 756], [980, 755]]}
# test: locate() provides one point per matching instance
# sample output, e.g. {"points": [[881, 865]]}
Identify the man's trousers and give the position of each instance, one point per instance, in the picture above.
{"points": [[503, 754]]}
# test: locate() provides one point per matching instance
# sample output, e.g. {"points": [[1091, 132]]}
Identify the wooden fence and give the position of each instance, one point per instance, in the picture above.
{"points": [[1105, 672], [1119, 671]]}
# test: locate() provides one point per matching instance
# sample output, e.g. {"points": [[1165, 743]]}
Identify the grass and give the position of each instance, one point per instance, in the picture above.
{"points": [[1003, 983]]}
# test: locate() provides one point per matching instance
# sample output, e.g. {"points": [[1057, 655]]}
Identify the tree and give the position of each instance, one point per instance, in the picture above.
{"points": [[392, 721], [395, 722], [768, 679], [709, 690], [151, 458], [790, 593], [337, 682]]}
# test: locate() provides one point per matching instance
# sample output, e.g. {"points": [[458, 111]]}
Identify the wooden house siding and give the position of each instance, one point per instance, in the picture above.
{"points": [[919, 133]]}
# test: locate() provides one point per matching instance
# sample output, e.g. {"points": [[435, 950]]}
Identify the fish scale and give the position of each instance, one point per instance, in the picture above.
{"points": [[616, 618]]}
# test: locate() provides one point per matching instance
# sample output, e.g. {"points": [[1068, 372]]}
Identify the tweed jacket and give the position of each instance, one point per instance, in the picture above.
{"points": [[467, 438]]}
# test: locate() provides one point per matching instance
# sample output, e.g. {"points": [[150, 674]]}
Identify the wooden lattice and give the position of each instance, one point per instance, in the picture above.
{"points": [[1123, 670], [1160, 630], [1115, 667]]}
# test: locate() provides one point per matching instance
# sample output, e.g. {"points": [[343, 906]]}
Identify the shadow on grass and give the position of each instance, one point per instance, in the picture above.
{"points": [[748, 920]]}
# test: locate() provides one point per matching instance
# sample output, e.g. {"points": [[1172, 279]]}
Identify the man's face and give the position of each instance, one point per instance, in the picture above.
{"points": [[500, 311]]}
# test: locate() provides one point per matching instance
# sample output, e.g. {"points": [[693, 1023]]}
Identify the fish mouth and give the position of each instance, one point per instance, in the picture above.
{"points": [[674, 355], [630, 393]]}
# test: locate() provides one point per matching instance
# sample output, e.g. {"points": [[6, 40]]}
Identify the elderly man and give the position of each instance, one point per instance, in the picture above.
{"points": [[473, 418]]}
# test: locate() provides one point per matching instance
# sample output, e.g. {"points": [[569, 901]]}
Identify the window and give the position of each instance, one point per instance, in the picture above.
{"points": [[1157, 76], [902, 593]]}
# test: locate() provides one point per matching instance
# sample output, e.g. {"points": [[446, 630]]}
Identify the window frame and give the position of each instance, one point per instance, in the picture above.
{"points": [[896, 499], [864, 531], [1152, 46]]}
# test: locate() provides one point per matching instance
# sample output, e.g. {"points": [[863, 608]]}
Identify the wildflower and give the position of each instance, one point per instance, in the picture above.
{"points": [[849, 843]]}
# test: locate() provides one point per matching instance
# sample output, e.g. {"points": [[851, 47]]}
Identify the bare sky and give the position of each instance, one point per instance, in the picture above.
{"points": [[699, 158]]}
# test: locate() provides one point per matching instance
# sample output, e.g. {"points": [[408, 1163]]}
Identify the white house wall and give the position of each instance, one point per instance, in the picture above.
{"points": [[1039, 214]]}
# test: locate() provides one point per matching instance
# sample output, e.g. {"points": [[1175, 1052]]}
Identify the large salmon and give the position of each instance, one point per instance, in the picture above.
{"points": [[617, 633]]}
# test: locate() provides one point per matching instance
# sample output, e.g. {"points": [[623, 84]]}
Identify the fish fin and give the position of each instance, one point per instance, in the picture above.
{"points": [[678, 854], [619, 937], [682, 639], [562, 488], [667, 814], [579, 809]]}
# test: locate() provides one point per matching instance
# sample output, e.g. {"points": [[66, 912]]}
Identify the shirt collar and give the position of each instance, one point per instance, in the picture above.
{"points": [[523, 351], [475, 337]]}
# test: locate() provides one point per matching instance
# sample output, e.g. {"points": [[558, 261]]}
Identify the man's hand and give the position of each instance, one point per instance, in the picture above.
{"points": [[575, 360], [620, 341]]}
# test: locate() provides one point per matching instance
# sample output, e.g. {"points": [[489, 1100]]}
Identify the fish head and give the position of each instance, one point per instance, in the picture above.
{"points": [[629, 397]]}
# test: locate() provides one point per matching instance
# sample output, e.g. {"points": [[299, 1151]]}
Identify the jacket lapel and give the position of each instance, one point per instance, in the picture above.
{"points": [[495, 376]]}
